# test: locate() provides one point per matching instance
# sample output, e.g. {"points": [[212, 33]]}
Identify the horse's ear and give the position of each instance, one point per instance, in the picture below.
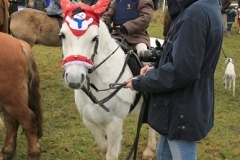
{"points": [[158, 44], [101, 6], [65, 5]]}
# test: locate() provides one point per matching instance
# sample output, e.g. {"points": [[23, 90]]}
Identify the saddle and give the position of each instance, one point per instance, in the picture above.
{"points": [[133, 62]]}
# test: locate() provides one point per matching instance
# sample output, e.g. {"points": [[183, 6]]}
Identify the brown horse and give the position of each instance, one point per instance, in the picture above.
{"points": [[35, 27], [19, 96]]}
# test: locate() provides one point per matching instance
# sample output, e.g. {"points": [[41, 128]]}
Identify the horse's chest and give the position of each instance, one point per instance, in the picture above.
{"points": [[95, 115]]}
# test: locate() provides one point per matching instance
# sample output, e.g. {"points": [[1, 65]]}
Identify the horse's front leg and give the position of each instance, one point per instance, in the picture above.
{"points": [[114, 137], [99, 136], [9, 146], [149, 152]]}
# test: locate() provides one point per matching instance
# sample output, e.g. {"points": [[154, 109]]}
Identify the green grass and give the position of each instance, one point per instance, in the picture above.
{"points": [[66, 138]]}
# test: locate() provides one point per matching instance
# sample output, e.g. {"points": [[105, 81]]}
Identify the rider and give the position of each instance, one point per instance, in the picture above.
{"points": [[54, 8], [133, 18]]}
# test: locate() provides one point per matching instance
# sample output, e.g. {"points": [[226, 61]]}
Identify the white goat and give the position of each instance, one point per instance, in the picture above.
{"points": [[229, 78]]}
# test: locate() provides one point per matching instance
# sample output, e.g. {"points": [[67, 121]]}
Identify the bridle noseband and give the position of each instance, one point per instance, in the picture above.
{"points": [[77, 59], [88, 63]]}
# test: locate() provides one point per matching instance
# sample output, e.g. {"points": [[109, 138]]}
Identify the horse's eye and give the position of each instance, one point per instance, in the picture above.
{"points": [[61, 35]]}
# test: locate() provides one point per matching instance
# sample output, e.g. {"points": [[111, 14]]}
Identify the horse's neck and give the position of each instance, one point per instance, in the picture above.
{"points": [[111, 68], [108, 45], [105, 38]]}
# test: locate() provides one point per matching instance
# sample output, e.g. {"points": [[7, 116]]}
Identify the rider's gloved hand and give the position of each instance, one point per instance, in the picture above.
{"points": [[123, 29]]}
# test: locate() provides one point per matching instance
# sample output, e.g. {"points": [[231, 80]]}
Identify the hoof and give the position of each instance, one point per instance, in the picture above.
{"points": [[148, 154], [4, 156], [35, 156]]}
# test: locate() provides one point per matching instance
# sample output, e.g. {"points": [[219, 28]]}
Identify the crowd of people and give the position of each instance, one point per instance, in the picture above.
{"points": [[15, 5], [229, 14]]}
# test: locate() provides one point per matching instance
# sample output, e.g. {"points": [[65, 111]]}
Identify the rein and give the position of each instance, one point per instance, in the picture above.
{"points": [[117, 86], [95, 52]]}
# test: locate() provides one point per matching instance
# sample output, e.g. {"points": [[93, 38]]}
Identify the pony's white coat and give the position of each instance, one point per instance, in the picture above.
{"points": [[229, 78], [101, 123]]}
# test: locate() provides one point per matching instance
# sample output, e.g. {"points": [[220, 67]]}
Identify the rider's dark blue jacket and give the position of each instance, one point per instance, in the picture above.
{"points": [[182, 86]]}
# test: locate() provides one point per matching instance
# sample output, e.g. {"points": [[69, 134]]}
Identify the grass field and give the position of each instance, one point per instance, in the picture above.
{"points": [[65, 137]]}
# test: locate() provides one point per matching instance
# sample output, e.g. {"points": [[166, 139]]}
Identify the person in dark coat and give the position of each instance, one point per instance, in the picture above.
{"points": [[133, 18], [225, 6], [181, 87], [155, 4], [231, 14], [14, 5]]}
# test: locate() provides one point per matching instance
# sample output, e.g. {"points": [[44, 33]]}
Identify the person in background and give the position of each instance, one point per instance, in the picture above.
{"points": [[238, 16], [13, 5], [54, 8], [40, 5], [133, 18], [181, 85], [155, 4], [225, 6], [4, 13], [31, 5], [47, 2], [231, 14]]}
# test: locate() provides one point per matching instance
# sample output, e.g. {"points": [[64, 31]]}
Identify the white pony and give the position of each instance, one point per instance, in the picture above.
{"points": [[96, 48]]}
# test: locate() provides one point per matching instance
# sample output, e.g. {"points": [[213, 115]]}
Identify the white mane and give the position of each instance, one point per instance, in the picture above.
{"points": [[111, 68]]}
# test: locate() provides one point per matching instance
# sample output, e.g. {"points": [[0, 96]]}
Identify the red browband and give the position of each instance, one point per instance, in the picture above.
{"points": [[77, 58]]}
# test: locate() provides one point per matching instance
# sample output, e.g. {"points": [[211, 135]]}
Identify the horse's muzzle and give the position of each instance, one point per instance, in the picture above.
{"points": [[74, 82], [74, 85]]}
